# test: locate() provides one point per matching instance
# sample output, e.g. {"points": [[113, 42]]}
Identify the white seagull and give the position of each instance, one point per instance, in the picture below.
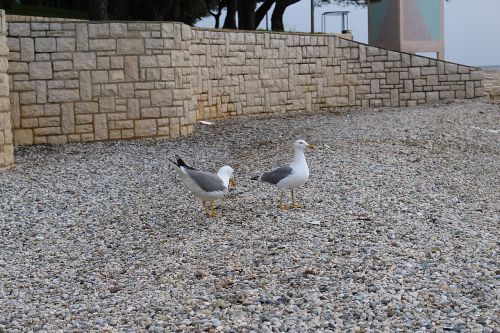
{"points": [[290, 176], [205, 185]]}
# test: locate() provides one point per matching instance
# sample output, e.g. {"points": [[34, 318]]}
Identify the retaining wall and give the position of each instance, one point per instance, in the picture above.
{"points": [[6, 144], [91, 81], [248, 72], [75, 82]]}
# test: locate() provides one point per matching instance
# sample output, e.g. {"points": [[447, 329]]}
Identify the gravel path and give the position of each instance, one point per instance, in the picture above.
{"points": [[401, 230]]}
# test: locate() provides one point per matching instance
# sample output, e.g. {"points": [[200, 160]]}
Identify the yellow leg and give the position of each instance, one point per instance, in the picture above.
{"points": [[213, 213], [205, 207], [282, 206], [295, 205]]}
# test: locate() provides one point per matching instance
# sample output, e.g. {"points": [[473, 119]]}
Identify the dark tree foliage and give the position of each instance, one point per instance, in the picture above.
{"points": [[187, 11], [74, 4], [193, 11], [98, 9], [119, 9], [6, 4], [240, 14]]}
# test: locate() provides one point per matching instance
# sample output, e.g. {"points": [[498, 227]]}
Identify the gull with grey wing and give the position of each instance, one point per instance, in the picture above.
{"points": [[205, 185], [290, 176]]}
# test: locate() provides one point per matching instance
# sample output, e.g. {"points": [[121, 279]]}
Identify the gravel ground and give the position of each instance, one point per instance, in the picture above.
{"points": [[400, 231]]}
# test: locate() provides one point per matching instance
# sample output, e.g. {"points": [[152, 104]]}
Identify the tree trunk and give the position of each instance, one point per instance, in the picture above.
{"points": [[98, 10], [217, 21], [279, 10], [216, 15], [230, 21], [261, 12], [246, 14]]}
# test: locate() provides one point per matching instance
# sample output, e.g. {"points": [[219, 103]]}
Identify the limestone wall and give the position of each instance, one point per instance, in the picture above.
{"points": [[6, 144], [73, 82], [247, 72], [90, 81]]}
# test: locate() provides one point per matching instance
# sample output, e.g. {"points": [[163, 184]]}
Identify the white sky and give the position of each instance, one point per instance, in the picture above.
{"points": [[472, 28]]}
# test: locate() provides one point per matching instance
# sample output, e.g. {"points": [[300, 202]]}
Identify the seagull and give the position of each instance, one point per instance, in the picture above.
{"points": [[205, 185], [290, 176]]}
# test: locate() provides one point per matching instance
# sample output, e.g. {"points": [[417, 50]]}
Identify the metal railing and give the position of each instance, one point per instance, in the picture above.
{"points": [[345, 19]]}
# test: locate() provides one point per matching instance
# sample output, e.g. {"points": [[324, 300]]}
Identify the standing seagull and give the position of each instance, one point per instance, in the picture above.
{"points": [[290, 176], [205, 185]]}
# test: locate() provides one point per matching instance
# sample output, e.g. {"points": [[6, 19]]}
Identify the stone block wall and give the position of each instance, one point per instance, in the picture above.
{"points": [[6, 143], [73, 81], [255, 72], [84, 81]]}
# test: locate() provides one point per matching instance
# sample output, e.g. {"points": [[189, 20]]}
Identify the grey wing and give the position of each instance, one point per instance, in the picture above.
{"points": [[274, 177], [205, 180]]}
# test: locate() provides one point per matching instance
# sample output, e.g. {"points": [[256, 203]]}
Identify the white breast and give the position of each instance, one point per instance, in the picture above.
{"points": [[298, 178]]}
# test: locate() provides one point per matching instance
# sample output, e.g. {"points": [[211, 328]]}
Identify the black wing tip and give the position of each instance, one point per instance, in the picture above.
{"points": [[255, 178], [180, 163], [177, 161]]}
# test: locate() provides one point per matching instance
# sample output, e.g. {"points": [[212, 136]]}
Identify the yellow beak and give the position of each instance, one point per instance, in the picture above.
{"points": [[311, 146], [232, 182]]}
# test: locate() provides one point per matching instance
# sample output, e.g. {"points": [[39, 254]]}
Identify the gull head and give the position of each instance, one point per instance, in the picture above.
{"points": [[302, 144], [226, 173]]}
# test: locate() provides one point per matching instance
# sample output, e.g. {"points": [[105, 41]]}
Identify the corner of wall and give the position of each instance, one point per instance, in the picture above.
{"points": [[6, 141]]}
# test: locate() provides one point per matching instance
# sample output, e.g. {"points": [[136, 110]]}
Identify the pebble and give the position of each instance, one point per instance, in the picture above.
{"points": [[104, 237]]}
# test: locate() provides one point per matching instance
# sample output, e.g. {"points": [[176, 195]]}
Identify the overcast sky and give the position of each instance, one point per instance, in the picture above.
{"points": [[472, 28]]}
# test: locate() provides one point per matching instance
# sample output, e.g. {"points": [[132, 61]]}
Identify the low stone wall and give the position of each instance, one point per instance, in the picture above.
{"points": [[6, 144], [75, 82], [248, 72], [91, 81]]}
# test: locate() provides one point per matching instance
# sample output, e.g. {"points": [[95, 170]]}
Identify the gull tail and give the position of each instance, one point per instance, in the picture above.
{"points": [[180, 163], [180, 167]]}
